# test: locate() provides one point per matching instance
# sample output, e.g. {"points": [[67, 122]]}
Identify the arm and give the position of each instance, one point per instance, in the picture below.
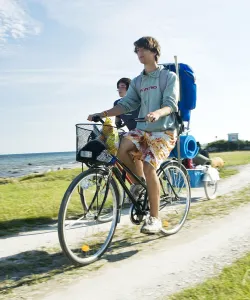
{"points": [[128, 103], [132, 100], [169, 103], [114, 111]]}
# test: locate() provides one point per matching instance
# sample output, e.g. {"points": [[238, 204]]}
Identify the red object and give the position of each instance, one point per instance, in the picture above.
{"points": [[188, 163]]}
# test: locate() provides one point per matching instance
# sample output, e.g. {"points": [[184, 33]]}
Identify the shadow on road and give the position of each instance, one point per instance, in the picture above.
{"points": [[31, 267]]}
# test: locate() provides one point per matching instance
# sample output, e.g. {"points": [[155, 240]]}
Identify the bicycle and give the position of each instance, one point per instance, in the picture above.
{"points": [[91, 207]]}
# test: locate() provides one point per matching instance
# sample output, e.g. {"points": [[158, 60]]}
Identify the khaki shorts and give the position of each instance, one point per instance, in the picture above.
{"points": [[152, 147]]}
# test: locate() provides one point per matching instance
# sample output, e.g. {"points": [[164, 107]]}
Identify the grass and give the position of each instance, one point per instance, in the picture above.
{"points": [[233, 283], [227, 172], [32, 200], [232, 159]]}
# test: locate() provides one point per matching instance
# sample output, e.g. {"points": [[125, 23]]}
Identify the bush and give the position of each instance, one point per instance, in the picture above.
{"points": [[223, 146]]}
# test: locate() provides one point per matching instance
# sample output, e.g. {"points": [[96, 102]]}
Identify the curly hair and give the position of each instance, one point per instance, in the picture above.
{"points": [[125, 81], [149, 43]]}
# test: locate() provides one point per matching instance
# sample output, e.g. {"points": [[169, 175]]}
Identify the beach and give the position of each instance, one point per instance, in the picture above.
{"points": [[17, 165]]}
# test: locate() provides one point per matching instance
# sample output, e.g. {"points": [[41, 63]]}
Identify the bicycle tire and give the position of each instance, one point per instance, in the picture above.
{"points": [[170, 169], [206, 188], [85, 257]]}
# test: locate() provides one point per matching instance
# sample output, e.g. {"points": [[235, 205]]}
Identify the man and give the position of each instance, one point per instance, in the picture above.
{"points": [[125, 119], [153, 140]]}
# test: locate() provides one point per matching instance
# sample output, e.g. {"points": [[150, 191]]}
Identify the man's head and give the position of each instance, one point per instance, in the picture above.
{"points": [[122, 86], [148, 49]]}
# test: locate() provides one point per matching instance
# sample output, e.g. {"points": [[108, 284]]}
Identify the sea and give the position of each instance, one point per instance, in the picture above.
{"points": [[17, 165]]}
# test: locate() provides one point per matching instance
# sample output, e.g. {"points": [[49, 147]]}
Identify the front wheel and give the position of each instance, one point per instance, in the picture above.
{"points": [[88, 216], [175, 197]]}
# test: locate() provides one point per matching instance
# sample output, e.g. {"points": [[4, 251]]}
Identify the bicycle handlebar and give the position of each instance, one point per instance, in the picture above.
{"points": [[139, 120], [97, 119]]}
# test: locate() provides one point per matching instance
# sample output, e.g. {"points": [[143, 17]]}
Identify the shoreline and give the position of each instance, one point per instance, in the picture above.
{"points": [[42, 170]]}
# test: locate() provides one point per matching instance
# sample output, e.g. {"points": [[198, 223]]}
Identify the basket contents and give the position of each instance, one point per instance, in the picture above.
{"points": [[110, 136]]}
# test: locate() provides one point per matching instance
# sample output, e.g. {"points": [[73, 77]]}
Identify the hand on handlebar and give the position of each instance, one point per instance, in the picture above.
{"points": [[152, 117], [95, 118]]}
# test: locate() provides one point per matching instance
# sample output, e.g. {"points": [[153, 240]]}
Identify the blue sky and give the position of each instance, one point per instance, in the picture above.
{"points": [[60, 61]]}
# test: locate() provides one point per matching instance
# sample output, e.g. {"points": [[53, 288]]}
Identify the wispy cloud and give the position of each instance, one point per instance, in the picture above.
{"points": [[15, 24], [110, 27]]}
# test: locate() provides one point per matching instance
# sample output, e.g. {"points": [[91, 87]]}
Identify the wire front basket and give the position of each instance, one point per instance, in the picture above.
{"points": [[89, 146]]}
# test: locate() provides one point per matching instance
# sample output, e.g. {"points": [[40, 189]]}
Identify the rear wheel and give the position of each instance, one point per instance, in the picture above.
{"points": [[211, 189], [175, 197], [88, 216]]}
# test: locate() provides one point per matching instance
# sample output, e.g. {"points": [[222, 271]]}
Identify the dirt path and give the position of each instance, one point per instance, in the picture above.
{"points": [[177, 262], [191, 256]]}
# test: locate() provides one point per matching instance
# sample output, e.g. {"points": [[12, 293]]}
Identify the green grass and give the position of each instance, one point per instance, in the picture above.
{"points": [[233, 283], [232, 159], [32, 200], [227, 172]]}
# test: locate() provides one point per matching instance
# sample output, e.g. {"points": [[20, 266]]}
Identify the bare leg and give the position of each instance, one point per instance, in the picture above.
{"points": [[139, 167], [124, 155], [153, 187]]}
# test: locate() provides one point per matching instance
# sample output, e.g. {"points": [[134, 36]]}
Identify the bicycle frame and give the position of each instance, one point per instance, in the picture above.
{"points": [[122, 170], [121, 177]]}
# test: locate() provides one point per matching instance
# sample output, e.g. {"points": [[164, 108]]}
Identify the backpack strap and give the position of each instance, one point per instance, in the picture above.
{"points": [[163, 84], [163, 79]]}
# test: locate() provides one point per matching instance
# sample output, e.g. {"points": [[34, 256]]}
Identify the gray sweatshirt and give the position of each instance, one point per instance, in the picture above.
{"points": [[151, 99]]}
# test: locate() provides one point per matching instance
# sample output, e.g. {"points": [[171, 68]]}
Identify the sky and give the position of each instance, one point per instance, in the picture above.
{"points": [[60, 61]]}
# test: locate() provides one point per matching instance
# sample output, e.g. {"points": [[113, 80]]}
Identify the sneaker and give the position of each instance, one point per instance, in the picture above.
{"points": [[135, 190], [151, 225]]}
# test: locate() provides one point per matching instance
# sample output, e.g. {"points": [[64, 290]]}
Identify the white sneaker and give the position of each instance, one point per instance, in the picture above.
{"points": [[135, 190], [151, 225]]}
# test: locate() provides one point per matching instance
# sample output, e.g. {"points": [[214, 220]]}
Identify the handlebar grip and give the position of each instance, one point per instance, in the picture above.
{"points": [[97, 118], [139, 120]]}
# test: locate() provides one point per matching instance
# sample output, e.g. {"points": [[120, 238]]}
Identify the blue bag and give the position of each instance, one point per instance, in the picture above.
{"points": [[187, 88]]}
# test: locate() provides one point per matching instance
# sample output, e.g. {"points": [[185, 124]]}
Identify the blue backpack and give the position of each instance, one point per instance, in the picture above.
{"points": [[187, 87]]}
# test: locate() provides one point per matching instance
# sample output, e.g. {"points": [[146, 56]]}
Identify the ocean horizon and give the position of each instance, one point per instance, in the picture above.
{"points": [[24, 153], [21, 164]]}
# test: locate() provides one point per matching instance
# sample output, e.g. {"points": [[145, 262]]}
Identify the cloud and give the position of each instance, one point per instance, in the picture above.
{"points": [[109, 28], [15, 24]]}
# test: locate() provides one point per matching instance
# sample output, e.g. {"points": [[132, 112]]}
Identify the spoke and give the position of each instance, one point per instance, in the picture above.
{"points": [[68, 226]]}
